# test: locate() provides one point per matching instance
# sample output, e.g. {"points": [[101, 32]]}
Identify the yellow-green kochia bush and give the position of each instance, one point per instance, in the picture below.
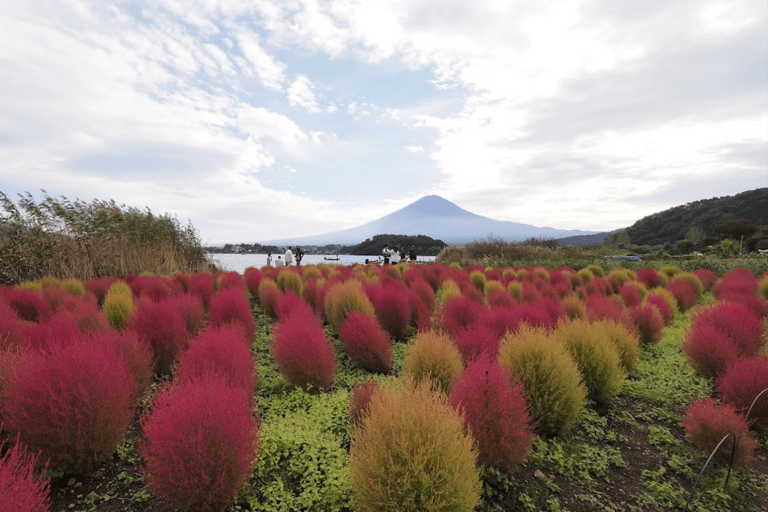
{"points": [[433, 356], [289, 280], [343, 298], [118, 304], [549, 376], [413, 452]]}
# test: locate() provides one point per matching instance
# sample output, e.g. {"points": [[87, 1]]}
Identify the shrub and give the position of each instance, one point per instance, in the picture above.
{"points": [[494, 407], [647, 321], [412, 452], [231, 307], [136, 354], [203, 285], [684, 293], [425, 292], [763, 287], [459, 313], [118, 304], [549, 375], [670, 270], [477, 340], [221, 351], [433, 356], [708, 350], [343, 298], [669, 299], [28, 305], [393, 310], [600, 307], [448, 290], [706, 423], [289, 280], [707, 278], [20, 490], [515, 289], [745, 328], [268, 295], [626, 341], [657, 301], [630, 295], [420, 313], [574, 308], [359, 399], [740, 280], [596, 356], [478, 279], [99, 287], [289, 303], [252, 279], [366, 343], [303, 354], [741, 382], [192, 312], [72, 402], [650, 277], [161, 325], [757, 305], [231, 280], [200, 443], [500, 299]]}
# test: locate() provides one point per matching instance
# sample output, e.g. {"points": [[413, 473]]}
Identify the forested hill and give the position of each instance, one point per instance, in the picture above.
{"points": [[425, 246], [675, 224]]}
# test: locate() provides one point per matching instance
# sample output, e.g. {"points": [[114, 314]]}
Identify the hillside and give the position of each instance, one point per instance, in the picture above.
{"points": [[424, 245], [698, 220], [436, 218]]}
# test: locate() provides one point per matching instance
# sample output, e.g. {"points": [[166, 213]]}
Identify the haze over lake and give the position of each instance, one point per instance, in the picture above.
{"points": [[239, 262]]}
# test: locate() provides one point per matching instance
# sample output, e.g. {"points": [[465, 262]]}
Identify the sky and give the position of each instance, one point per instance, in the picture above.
{"points": [[259, 120]]}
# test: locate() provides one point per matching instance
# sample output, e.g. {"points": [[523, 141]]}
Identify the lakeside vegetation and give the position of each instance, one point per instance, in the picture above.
{"points": [[59, 238]]}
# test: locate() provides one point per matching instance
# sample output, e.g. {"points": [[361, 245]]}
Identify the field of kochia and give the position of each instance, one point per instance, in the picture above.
{"points": [[376, 388]]}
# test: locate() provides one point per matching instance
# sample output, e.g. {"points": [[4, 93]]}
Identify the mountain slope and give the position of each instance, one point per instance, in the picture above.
{"points": [[437, 218]]}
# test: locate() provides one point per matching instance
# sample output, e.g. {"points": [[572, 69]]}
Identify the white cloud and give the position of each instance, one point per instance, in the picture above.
{"points": [[300, 94], [270, 72], [414, 149]]}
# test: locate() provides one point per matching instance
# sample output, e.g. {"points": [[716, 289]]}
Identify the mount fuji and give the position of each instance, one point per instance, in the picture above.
{"points": [[437, 218]]}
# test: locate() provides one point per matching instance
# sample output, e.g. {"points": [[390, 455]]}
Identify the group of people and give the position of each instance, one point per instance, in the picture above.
{"points": [[290, 258], [396, 255]]}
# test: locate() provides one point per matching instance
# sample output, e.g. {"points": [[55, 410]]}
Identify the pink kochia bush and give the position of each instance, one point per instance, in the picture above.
{"points": [[20, 491], [200, 444], [648, 323], [303, 354], [706, 423], [742, 381], [28, 305], [161, 325], [72, 402], [495, 410], [476, 341], [366, 342], [231, 306], [459, 313], [223, 351], [359, 399], [392, 309]]}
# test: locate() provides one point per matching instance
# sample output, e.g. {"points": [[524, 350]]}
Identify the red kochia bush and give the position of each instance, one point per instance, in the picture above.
{"points": [[288, 303], [649, 277], [706, 422], [661, 305], [99, 287], [421, 315], [630, 295], [252, 279], [742, 381], [200, 444], [192, 311], [496, 412], [366, 342], [392, 309], [738, 322], [303, 353], [477, 340], [231, 306], [161, 325], [359, 398], [708, 350], [202, 285], [136, 354], [223, 351], [72, 402], [28, 305], [707, 278], [459, 313], [685, 294], [603, 308], [20, 491], [231, 280], [648, 322], [424, 291], [757, 305]]}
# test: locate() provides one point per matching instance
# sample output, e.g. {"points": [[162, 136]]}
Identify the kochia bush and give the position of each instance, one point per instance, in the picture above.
{"points": [[393, 310], [303, 354], [549, 376], [161, 325], [459, 313], [706, 423], [685, 294], [222, 351], [231, 307], [434, 357], [72, 402], [708, 350], [359, 399], [477, 340], [200, 444], [496, 412], [412, 452], [740, 384], [268, 295], [647, 321], [118, 304], [366, 342], [20, 490], [343, 298]]}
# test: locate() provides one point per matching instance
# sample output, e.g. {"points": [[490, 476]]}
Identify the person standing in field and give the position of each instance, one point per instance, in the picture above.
{"points": [[386, 253], [299, 255], [412, 255], [288, 257], [279, 262], [269, 259]]}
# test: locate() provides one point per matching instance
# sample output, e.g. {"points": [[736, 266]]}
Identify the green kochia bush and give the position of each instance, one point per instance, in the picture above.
{"points": [[118, 304], [549, 376], [412, 452], [433, 356]]}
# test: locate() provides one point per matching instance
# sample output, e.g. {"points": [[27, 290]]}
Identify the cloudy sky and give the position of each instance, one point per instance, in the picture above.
{"points": [[269, 119]]}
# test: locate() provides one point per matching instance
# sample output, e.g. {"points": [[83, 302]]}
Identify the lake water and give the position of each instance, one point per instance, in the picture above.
{"points": [[239, 262]]}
